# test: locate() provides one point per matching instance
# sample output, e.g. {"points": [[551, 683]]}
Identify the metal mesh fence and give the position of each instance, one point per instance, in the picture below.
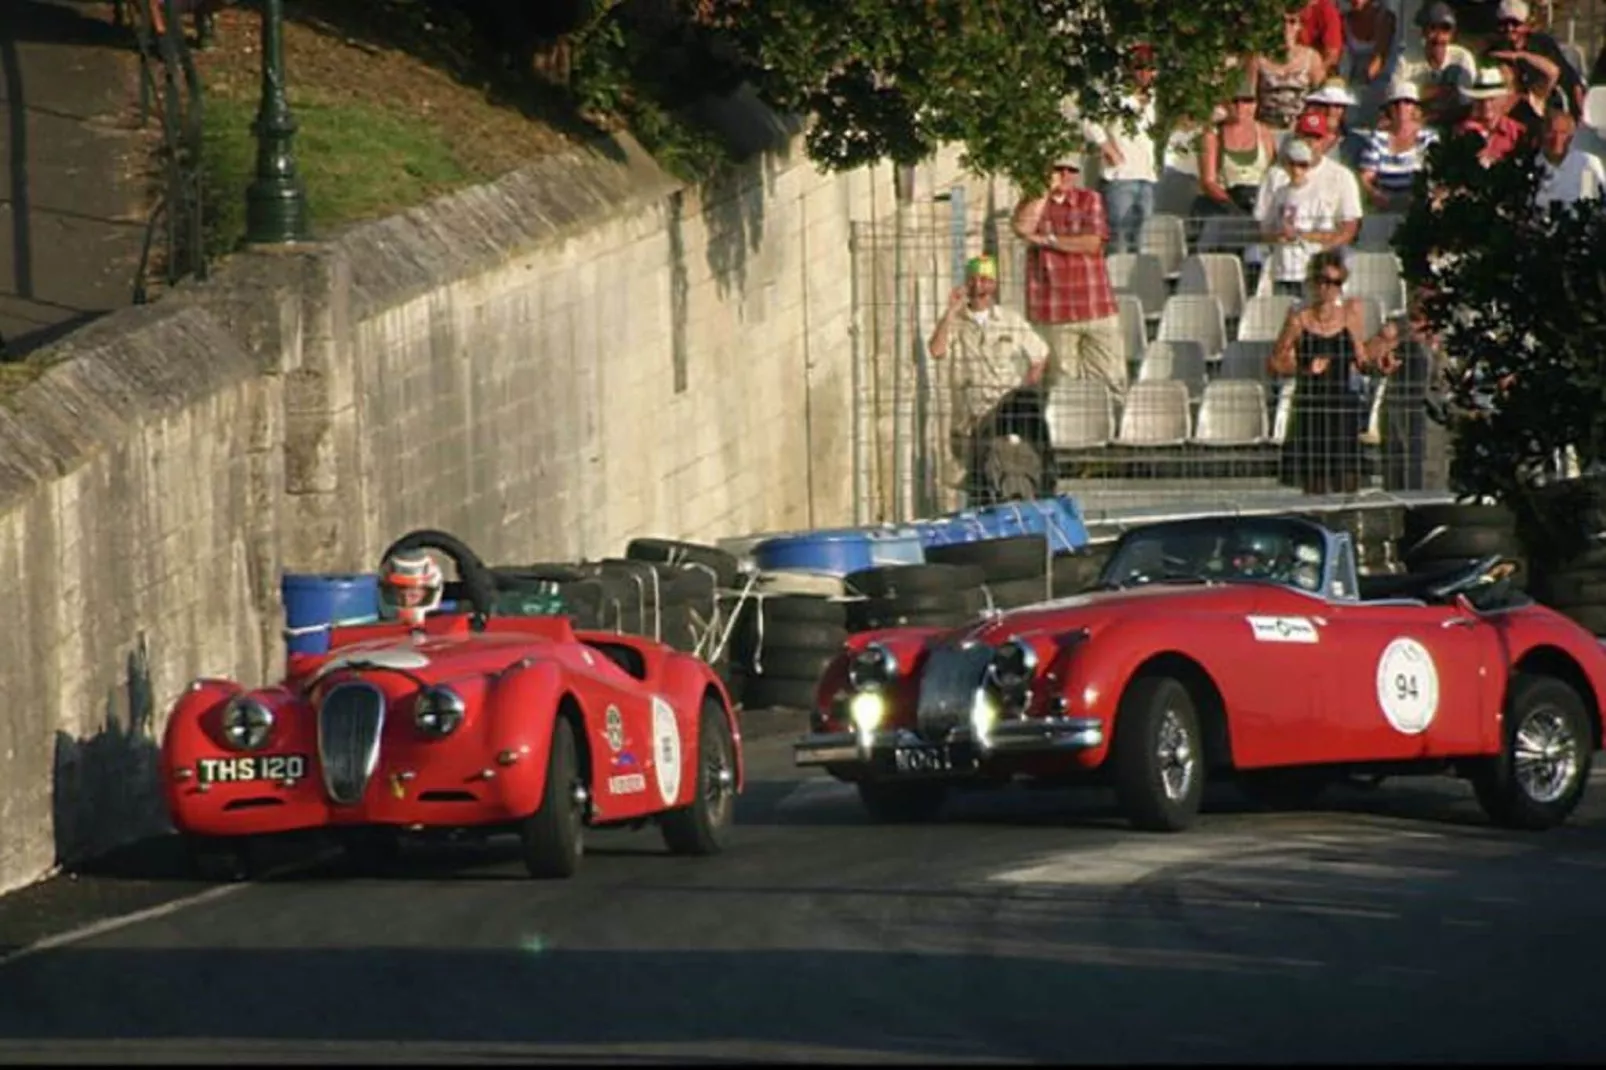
{"points": [[1193, 407]]}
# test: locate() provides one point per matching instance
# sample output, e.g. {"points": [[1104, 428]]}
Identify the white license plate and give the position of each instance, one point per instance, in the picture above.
{"points": [[251, 767], [932, 759]]}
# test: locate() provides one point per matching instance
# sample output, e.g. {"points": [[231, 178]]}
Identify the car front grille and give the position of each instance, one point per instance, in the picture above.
{"points": [[948, 686], [349, 723]]}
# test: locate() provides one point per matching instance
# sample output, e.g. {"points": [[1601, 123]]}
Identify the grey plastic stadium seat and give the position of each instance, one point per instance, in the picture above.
{"points": [[1179, 359], [1376, 275], [1246, 360], [1195, 317], [1080, 413], [1219, 274], [1139, 274], [1263, 317], [1233, 413], [1376, 230], [1156, 414], [1165, 236], [1134, 327]]}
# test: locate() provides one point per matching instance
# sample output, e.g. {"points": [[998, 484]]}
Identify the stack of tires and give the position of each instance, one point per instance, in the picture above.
{"points": [[1575, 586], [1439, 539], [1014, 570], [1075, 571], [784, 637], [918, 596]]}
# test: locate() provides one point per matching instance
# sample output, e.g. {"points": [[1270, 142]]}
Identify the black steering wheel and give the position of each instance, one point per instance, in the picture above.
{"points": [[1473, 576], [475, 583]]}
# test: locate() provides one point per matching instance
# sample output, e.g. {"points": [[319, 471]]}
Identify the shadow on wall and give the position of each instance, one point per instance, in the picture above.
{"points": [[104, 789], [733, 201]]}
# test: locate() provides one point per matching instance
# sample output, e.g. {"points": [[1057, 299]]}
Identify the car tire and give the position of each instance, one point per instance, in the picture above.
{"points": [[906, 803], [1158, 755], [1283, 789], [553, 837], [218, 859], [701, 828], [1549, 709]]}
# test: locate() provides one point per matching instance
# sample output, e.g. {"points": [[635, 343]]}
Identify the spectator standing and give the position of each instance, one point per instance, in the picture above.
{"points": [[1397, 151], [1068, 294], [1321, 27], [1234, 156], [1515, 38], [1310, 203], [1322, 346], [990, 353], [1282, 82], [1128, 168], [1566, 175], [1491, 98], [1444, 70], [1370, 32]]}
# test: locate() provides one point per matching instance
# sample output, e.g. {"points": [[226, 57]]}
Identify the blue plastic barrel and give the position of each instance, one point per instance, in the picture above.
{"points": [[897, 545], [315, 603], [836, 551]]}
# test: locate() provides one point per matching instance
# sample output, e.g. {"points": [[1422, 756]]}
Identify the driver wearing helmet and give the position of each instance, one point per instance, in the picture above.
{"points": [[1258, 555], [411, 586]]}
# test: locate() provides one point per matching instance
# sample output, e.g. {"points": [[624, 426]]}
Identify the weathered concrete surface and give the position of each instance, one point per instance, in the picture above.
{"points": [[578, 354]]}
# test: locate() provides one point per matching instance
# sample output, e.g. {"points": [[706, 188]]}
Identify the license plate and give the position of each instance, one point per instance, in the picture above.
{"points": [[922, 760], [251, 767]]}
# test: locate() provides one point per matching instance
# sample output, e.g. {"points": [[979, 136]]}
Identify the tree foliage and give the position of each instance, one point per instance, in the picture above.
{"points": [[1515, 294], [893, 81]]}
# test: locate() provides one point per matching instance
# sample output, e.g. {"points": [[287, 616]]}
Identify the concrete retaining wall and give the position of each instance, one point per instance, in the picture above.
{"points": [[547, 366]]}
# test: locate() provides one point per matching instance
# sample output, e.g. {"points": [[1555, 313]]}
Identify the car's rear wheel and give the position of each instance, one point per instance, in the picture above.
{"points": [[906, 802], [700, 829], [1539, 776], [554, 836], [1158, 756]]}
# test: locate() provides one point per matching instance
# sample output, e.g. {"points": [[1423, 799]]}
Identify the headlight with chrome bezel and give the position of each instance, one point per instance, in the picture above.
{"points": [[873, 668], [1013, 667], [438, 711], [247, 724]]}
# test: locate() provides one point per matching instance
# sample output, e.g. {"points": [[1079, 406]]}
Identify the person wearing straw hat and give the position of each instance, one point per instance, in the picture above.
{"points": [[1491, 96], [988, 353], [1394, 154]]}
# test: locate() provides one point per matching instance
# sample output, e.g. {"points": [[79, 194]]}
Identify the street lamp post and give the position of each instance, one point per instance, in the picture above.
{"points": [[275, 203]]}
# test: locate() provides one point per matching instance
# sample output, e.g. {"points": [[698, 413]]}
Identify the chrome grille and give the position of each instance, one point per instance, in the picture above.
{"points": [[349, 723], [948, 686]]}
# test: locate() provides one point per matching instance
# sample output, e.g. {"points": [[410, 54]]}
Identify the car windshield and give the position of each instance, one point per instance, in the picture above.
{"points": [[1219, 550]]}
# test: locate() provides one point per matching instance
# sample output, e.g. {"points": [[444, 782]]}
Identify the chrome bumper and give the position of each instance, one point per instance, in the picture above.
{"points": [[1042, 735]]}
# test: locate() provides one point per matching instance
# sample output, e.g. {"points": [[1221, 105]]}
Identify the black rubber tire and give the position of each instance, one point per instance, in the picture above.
{"points": [[1442, 544], [1423, 520], [218, 859], [1074, 573], [787, 608], [1017, 593], [553, 838], [964, 600], [701, 828], [1016, 557], [778, 692], [793, 664], [1139, 787], [1494, 781], [724, 566], [894, 802], [890, 619], [787, 635], [898, 581], [1284, 789]]}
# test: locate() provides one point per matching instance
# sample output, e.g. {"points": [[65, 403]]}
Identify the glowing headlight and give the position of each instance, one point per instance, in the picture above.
{"points": [[438, 712], [247, 724], [872, 668], [984, 715], [1013, 666], [865, 710]]}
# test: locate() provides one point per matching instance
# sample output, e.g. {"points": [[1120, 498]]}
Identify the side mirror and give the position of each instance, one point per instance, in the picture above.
{"points": [[1464, 605]]}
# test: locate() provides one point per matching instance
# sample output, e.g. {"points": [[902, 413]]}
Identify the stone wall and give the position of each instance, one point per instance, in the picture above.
{"points": [[547, 366]]}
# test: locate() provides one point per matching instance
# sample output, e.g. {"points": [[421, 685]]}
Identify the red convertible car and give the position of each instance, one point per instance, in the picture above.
{"points": [[1235, 647], [457, 721]]}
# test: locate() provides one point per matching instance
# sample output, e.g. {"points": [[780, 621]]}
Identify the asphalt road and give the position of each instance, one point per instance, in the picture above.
{"points": [[1392, 925]]}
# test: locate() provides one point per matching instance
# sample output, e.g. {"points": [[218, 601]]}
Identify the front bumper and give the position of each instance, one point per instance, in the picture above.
{"points": [[902, 750]]}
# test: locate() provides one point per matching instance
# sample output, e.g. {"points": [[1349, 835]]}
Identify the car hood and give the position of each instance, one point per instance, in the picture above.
{"points": [[1096, 609]]}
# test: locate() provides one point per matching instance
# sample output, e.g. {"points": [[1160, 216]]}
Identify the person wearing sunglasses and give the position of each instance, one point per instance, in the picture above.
{"points": [[1323, 349], [1536, 56]]}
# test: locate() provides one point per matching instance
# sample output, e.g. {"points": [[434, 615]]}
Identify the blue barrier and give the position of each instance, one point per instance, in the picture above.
{"points": [[839, 551], [315, 603]]}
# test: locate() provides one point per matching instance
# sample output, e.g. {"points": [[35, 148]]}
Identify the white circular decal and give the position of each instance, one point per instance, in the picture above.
{"points": [[1408, 686], [666, 750]]}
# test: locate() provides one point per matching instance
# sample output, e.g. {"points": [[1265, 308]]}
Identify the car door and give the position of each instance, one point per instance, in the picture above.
{"points": [[621, 733], [1272, 669], [1411, 681]]}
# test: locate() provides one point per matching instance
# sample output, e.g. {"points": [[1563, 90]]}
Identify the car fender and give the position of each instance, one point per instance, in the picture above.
{"points": [[1558, 647], [521, 708], [685, 679]]}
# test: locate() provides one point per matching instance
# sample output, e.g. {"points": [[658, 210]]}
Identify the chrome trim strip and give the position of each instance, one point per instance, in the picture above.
{"points": [[1032, 735]]}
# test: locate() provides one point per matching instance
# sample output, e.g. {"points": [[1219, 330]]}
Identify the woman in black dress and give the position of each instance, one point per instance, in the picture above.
{"points": [[1322, 348]]}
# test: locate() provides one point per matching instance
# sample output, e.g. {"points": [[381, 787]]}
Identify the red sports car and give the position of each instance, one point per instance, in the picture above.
{"points": [[1235, 647], [457, 721]]}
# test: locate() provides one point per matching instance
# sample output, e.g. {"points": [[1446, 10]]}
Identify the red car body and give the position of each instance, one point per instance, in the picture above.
{"points": [[347, 749], [1283, 686]]}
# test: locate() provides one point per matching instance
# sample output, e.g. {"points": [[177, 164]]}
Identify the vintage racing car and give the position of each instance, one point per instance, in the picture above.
{"points": [[451, 721], [1234, 647]]}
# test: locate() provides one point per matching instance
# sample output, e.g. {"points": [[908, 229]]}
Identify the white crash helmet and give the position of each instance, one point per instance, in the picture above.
{"points": [[411, 586]]}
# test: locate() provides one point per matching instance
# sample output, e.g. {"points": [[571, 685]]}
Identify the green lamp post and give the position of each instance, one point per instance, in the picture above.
{"points": [[275, 203]]}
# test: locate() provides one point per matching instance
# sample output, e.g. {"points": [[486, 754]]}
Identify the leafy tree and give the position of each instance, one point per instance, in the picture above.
{"points": [[1514, 294], [894, 80]]}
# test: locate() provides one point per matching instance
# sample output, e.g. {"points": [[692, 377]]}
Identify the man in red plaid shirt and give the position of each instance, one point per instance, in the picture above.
{"points": [[1068, 295]]}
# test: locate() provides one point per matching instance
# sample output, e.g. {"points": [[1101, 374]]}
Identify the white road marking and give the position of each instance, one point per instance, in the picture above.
{"points": [[1124, 862]]}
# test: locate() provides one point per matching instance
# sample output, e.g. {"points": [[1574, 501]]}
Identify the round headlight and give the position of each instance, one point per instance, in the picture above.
{"points": [[438, 712], [247, 724], [872, 668], [1013, 665]]}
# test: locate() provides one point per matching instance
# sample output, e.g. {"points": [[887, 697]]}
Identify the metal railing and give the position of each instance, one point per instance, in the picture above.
{"points": [[170, 90], [1191, 410]]}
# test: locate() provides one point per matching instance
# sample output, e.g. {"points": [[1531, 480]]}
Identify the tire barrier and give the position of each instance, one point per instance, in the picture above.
{"points": [[788, 626], [1575, 586], [1442, 538]]}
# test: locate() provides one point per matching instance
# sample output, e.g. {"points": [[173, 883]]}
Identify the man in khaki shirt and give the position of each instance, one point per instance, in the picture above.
{"points": [[990, 352]]}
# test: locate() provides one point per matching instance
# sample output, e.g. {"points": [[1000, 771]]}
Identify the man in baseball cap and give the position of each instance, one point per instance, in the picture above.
{"points": [[1535, 54], [1444, 70]]}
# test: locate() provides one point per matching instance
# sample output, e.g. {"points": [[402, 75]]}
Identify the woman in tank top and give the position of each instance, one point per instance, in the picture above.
{"points": [[1233, 157], [1281, 84]]}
